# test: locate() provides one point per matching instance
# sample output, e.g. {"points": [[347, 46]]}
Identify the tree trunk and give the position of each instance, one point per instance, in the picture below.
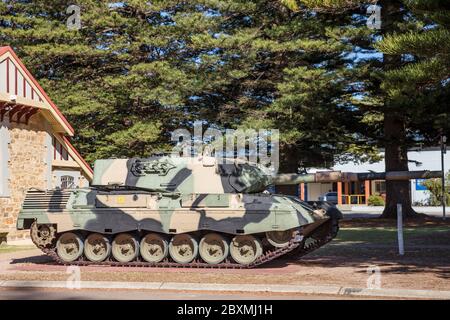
{"points": [[396, 159], [288, 164], [396, 148]]}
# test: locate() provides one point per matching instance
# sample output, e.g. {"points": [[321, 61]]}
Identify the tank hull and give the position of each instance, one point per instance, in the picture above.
{"points": [[168, 210], [82, 213]]}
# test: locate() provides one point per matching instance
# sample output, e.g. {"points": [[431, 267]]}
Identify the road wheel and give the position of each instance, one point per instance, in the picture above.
{"points": [[125, 247], [183, 248], [279, 239], [97, 247], [245, 249], [154, 248], [69, 246], [213, 248]]}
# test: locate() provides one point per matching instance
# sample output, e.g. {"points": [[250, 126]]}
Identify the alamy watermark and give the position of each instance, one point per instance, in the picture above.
{"points": [[258, 146], [374, 20], [374, 279], [74, 279], [73, 22]]}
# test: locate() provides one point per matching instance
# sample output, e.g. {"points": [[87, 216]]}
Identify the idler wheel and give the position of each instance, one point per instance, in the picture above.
{"points": [[183, 248], [279, 239], [42, 235], [213, 248], [97, 247], [245, 249], [154, 248], [125, 247], [69, 246]]}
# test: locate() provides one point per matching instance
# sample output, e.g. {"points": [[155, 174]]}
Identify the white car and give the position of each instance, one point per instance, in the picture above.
{"points": [[329, 197]]}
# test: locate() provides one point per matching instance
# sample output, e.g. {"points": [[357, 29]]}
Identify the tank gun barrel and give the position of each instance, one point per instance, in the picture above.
{"points": [[338, 176]]}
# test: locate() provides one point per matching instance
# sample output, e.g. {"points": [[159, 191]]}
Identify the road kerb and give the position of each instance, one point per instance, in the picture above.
{"points": [[251, 288], [121, 285], [403, 293]]}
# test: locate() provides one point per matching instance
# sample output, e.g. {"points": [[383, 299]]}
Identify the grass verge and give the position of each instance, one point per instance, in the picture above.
{"points": [[5, 248]]}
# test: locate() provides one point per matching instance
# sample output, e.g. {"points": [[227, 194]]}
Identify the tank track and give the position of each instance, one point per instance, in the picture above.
{"points": [[295, 249]]}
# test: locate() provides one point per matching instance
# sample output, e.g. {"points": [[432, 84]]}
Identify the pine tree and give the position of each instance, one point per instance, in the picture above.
{"points": [[117, 78], [136, 71], [275, 68], [415, 88], [405, 90]]}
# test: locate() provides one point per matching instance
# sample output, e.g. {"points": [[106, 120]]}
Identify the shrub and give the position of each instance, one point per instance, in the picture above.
{"points": [[434, 187], [376, 200]]}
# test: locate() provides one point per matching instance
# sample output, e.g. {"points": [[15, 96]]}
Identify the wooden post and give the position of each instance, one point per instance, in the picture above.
{"points": [[346, 188], [367, 190], [339, 192], [302, 191]]}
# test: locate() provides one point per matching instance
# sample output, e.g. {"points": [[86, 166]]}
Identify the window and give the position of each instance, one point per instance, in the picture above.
{"points": [[66, 179], [67, 182], [380, 187], [4, 157]]}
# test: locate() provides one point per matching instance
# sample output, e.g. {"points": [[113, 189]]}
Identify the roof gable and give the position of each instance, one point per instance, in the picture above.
{"points": [[16, 80], [18, 86]]}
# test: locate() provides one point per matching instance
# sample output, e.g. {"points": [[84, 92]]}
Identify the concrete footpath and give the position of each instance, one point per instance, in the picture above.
{"points": [[363, 211], [213, 287]]}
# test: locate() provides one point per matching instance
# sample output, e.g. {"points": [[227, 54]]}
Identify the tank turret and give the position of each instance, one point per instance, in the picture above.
{"points": [[207, 175], [182, 175]]}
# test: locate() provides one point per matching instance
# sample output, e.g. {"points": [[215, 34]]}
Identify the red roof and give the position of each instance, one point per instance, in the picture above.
{"points": [[52, 104], [77, 153]]}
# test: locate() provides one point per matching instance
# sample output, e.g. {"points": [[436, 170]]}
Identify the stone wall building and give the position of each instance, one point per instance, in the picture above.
{"points": [[34, 149]]}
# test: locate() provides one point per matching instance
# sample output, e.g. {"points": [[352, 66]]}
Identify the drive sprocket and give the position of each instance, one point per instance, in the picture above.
{"points": [[43, 235]]}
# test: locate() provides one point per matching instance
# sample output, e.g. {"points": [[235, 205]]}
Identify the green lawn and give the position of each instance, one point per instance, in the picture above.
{"points": [[439, 235], [423, 243], [5, 248]]}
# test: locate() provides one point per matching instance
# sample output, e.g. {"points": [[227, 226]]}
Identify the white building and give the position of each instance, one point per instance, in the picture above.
{"points": [[358, 192]]}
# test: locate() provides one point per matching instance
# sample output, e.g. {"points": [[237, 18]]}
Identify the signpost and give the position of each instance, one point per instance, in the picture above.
{"points": [[401, 248], [443, 151]]}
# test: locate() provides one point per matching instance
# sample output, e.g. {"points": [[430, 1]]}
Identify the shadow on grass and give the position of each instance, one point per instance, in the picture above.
{"points": [[426, 250]]}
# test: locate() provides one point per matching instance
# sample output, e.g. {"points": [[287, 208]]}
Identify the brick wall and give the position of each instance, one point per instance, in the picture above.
{"points": [[27, 169]]}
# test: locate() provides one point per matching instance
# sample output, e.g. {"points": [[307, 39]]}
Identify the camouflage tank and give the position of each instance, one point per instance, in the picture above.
{"points": [[178, 211]]}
